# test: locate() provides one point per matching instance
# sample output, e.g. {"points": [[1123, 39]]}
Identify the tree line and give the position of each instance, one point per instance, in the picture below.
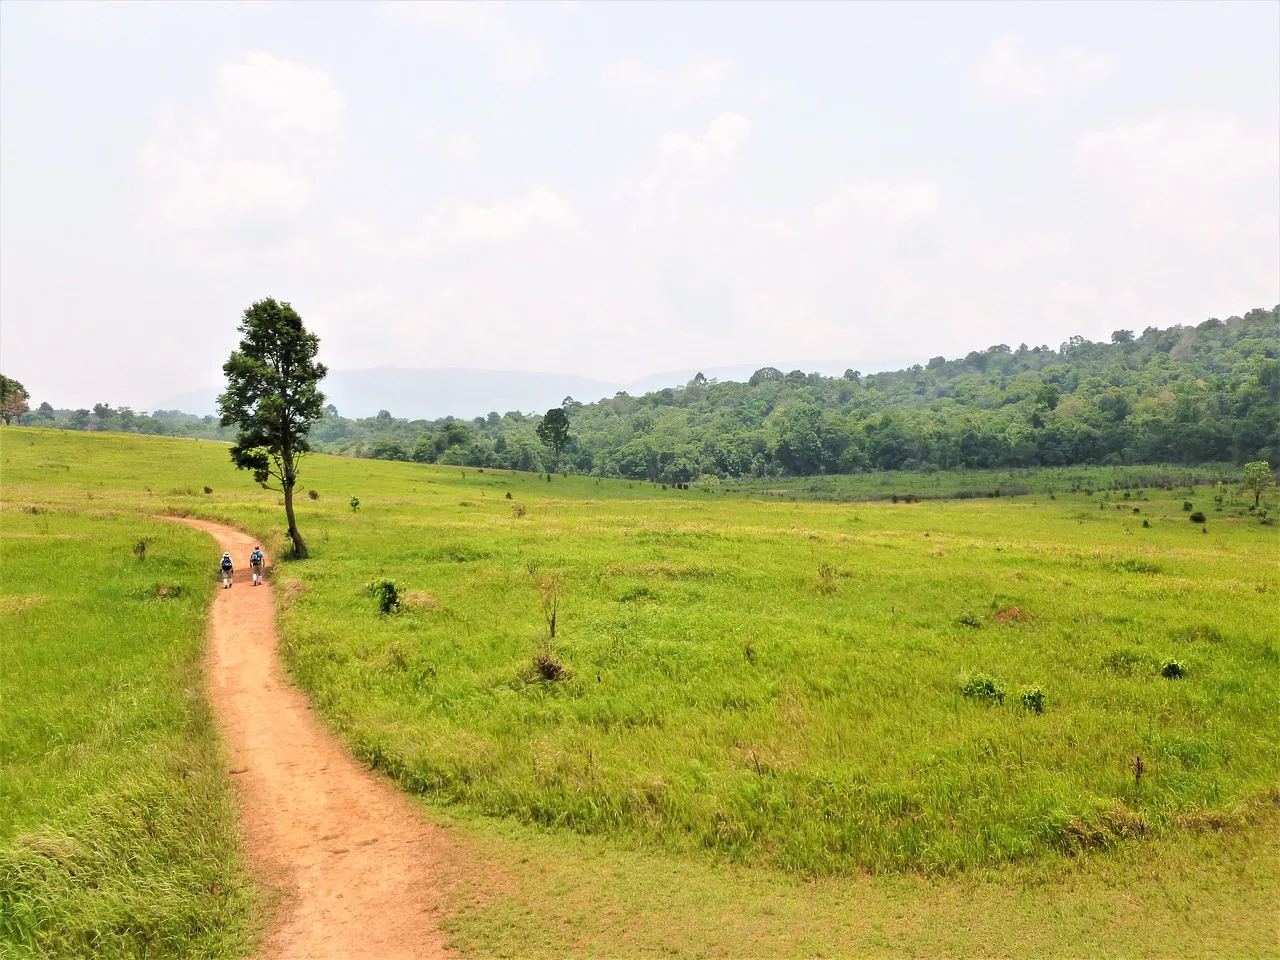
{"points": [[1182, 394]]}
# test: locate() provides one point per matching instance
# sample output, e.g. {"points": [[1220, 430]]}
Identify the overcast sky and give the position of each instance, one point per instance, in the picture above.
{"points": [[613, 190]]}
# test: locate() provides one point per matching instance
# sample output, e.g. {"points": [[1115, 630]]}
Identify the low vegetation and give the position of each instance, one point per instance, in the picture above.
{"points": [[117, 835], [786, 703]]}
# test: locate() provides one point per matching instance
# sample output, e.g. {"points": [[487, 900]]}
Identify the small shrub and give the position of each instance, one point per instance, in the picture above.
{"points": [[1146, 523], [549, 666], [517, 510], [983, 687], [169, 591], [1186, 506], [508, 494], [1198, 517], [208, 489], [314, 495], [969, 620], [386, 593], [549, 590], [1137, 510], [140, 549], [826, 578], [355, 504], [1032, 699], [1173, 669]]}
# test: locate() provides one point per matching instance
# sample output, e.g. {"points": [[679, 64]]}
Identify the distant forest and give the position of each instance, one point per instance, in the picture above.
{"points": [[1185, 395]]}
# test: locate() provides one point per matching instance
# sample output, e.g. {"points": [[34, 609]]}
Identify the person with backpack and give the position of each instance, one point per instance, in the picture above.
{"points": [[227, 571], [255, 564]]}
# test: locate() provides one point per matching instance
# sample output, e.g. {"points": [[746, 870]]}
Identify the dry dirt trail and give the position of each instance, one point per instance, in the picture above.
{"points": [[352, 858]]}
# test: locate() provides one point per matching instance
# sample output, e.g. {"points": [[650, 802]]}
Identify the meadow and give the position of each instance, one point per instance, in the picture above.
{"points": [[117, 834], [902, 726]]}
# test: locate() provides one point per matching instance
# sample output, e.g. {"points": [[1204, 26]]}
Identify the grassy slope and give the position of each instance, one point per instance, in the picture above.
{"points": [[117, 837], [853, 683]]}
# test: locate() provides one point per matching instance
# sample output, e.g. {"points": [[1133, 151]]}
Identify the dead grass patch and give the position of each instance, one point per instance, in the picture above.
{"points": [[12, 606]]}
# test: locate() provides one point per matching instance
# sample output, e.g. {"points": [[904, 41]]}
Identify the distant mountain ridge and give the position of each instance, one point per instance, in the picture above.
{"points": [[427, 394]]}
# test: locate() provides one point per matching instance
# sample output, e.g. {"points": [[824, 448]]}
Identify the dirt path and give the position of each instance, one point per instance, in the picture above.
{"points": [[353, 860]]}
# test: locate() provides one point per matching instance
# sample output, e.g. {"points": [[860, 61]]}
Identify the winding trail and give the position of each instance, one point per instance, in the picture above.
{"points": [[353, 860]]}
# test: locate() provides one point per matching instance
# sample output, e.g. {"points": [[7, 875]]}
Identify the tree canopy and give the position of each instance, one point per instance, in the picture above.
{"points": [[273, 398], [13, 399], [554, 432]]}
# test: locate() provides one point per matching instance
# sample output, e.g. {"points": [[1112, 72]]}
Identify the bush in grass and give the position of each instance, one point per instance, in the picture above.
{"points": [[386, 593], [208, 489], [355, 504], [969, 620], [313, 494], [1173, 669], [1032, 699], [1186, 505], [983, 687], [1198, 517], [549, 666]]}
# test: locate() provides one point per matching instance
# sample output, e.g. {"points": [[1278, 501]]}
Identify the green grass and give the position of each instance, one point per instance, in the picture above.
{"points": [[117, 838], [765, 701]]}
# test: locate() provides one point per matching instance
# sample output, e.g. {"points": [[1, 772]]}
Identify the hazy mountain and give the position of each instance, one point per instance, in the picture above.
{"points": [[464, 393]]}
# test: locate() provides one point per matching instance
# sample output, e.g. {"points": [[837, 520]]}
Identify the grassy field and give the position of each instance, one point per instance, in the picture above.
{"points": [[117, 837], [970, 484], [777, 727]]}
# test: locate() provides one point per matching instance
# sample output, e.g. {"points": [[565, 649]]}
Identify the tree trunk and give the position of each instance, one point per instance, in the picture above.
{"points": [[299, 548]]}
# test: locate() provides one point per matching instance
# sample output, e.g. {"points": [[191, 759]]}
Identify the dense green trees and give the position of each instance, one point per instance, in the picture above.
{"points": [[1208, 393]]}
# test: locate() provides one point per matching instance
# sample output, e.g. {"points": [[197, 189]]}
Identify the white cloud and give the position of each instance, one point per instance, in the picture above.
{"points": [[283, 96], [879, 203], [515, 54], [1202, 177], [693, 80], [460, 227], [1009, 69], [725, 135], [250, 164], [193, 196]]}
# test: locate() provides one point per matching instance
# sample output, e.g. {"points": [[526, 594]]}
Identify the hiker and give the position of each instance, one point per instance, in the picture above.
{"points": [[255, 564], [227, 572]]}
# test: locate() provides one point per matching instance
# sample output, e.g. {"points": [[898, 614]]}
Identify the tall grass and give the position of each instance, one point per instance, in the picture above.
{"points": [[117, 837], [775, 682]]}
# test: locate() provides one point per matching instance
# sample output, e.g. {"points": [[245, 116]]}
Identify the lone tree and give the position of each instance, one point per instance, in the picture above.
{"points": [[13, 399], [554, 432], [1257, 478], [272, 396]]}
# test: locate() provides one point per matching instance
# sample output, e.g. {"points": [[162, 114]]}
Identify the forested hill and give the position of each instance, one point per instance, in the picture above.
{"points": [[1207, 393]]}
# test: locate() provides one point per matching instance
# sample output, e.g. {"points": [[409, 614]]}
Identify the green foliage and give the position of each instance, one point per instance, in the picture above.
{"points": [[1032, 699], [354, 503], [1182, 395], [386, 592], [869, 758], [117, 830], [553, 431], [273, 398], [983, 687], [1198, 517], [1257, 479], [1173, 669], [13, 399]]}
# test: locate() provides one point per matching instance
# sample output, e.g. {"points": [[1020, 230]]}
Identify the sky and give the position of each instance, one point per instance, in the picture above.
{"points": [[614, 190]]}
